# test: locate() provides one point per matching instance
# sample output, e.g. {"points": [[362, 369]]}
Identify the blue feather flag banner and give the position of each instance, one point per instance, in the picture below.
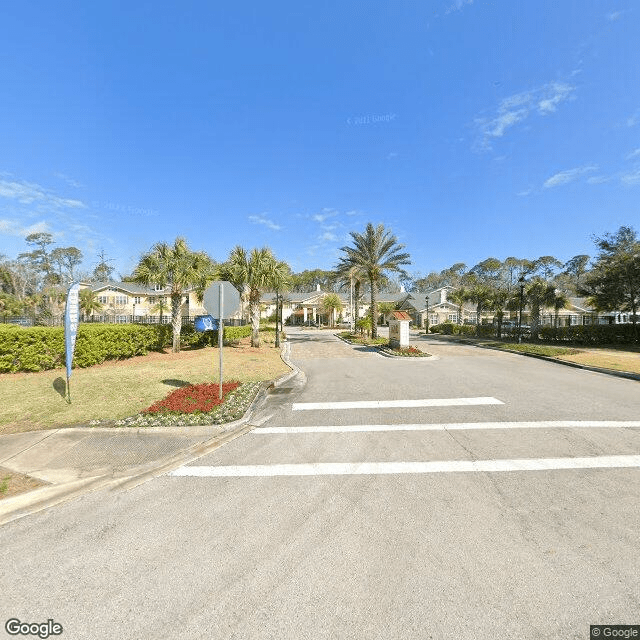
{"points": [[71, 316]]}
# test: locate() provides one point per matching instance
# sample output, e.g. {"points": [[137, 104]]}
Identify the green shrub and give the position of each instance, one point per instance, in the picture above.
{"points": [[590, 334], [444, 327], [40, 348], [210, 338]]}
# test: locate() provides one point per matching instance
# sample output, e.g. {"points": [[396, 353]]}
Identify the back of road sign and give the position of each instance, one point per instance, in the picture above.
{"points": [[230, 299]]}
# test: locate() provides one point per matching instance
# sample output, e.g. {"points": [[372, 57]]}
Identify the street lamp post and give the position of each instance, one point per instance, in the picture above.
{"points": [[521, 281], [426, 321]]}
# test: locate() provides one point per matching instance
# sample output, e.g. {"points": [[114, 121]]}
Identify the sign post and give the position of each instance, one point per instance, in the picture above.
{"points": [[221, 299], [220, 332], [71, 315]]}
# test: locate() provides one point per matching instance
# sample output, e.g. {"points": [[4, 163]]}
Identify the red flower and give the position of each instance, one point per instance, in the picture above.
{"points": [[197, 397]]}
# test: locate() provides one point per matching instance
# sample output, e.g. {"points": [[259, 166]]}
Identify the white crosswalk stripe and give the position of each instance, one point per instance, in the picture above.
{"points": [[628, 459], [456, 426], [395, 404], [386, 468]]}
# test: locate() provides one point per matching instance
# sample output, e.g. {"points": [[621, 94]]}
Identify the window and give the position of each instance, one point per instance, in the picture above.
{"points": [[120, 319], [158, 288], [137, 299], [103, 299], [452, 317], [121, 300]]}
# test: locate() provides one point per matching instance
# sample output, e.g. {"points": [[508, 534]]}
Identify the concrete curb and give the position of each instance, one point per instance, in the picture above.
{"points": [[36, 500], [44, 497], [380, 352], [610, 372]]}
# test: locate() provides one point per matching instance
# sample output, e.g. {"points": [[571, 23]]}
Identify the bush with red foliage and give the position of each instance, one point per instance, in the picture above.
{"points": [[193, 398]]}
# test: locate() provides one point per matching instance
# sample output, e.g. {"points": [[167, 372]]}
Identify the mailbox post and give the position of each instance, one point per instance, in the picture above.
{"points": [[399, 329]]}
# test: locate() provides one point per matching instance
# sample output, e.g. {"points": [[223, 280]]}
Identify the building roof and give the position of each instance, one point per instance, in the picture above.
{"points": [[401, 315]]}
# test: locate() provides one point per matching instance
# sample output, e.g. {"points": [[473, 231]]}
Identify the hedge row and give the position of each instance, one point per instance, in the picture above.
{"points": [[40, 348], [448, 328], [210, 338], [591, 334]]}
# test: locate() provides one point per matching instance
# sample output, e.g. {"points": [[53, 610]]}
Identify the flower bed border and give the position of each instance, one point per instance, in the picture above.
{"points": [[234, 408]]}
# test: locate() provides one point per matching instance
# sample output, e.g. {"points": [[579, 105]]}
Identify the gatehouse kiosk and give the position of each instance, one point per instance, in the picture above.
{"points": [[399, 329]]}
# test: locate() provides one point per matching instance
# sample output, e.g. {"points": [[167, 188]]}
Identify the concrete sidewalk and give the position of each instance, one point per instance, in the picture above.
{"points": [[73, 461]]}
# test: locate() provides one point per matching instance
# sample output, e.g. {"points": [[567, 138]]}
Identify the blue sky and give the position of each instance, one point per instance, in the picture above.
{"points": [[471, 128]]}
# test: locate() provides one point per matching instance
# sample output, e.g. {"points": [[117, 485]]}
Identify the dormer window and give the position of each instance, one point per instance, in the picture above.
{"points": [[158, 288]]}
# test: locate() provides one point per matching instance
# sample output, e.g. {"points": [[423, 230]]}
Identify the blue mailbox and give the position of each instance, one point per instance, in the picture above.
{"points": [[205, 323]]}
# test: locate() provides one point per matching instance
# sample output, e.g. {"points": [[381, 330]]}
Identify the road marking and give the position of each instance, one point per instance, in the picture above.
{"points": [[456, 426], [392, 468], [392, 404]]}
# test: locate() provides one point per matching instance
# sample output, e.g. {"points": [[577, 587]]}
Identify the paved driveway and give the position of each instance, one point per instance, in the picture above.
{"points": [[470, 507]]}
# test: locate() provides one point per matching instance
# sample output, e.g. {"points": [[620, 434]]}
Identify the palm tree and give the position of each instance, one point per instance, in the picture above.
{"points": [[375, 252], [385, 308], [178, 268], [331, 303], [89, 302], [497, 302], [478, 293], [160, 307], [458, 296], [560, 301], [258, 272], [539, 294], [351, 275]]}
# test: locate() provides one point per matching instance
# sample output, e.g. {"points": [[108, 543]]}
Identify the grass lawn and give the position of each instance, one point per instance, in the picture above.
{"points": [[538, 349], [356, 338], [608, 358], [118, 389], [618, 359]]}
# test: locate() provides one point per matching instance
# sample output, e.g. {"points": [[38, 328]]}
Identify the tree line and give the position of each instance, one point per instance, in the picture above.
{"points": [[373, 262]]}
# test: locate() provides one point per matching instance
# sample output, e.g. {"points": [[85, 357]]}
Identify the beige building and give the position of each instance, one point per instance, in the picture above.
{"points": [[126, 301]]}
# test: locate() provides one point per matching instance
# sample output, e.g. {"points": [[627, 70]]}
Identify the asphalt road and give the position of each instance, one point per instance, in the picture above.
{"points": [[386, 522]]}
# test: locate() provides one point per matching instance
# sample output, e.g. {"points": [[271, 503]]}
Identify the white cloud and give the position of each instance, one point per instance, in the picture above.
{"points": [[564, 177], [514, 109], [325, 215], [552, 95], [457, 5], [327, 236], [631, 179], [29, 193], [633, 119], [265, 221], [14, 228], [634, 154], [392, 155], [525, 193], [614, 15], [70, 181], [598, 179]]}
